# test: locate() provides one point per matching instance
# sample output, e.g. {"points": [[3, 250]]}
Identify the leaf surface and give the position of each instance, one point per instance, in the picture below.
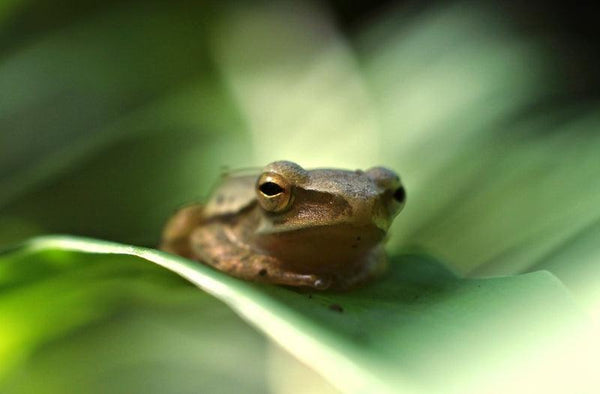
{"points": [[410, 329]]}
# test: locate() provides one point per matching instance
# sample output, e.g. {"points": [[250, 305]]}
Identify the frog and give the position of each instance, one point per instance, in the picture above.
{"points": [[319, 228]]}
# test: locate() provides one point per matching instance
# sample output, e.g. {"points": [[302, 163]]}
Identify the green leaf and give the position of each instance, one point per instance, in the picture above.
{"points": [[499, 174], [95, 323], [116, 119], [325, 117], [417, 328], [118, 113]]}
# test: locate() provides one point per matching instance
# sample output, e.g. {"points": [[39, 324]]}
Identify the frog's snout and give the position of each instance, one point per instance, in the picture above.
{"points": [[391, 195], [385, 199]]}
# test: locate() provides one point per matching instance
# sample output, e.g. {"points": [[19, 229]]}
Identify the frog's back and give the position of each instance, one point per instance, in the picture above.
{"points": [[232, 194]]}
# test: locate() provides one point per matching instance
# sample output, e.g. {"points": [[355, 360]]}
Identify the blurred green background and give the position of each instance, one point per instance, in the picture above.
{"points": [[113, 115]]}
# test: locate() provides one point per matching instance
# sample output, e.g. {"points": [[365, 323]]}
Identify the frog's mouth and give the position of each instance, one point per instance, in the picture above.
{"points": [[325, 248]]}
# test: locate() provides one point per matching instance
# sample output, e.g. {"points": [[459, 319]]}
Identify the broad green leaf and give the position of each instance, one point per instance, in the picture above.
{"points": [[575, 261], [418, 328], [99, 323]]}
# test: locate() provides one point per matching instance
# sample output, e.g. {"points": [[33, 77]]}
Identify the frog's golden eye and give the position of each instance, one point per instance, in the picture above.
{"points": [[274, 192]]}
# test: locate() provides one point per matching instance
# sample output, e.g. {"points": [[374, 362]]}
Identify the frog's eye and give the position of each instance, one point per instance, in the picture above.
{"points": [[274, 192]]}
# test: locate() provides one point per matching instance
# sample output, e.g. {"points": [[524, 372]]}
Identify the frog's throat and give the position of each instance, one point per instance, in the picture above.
{"points": [[321, 249]]}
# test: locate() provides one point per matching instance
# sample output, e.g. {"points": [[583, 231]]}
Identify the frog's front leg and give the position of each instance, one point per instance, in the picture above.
{"points": [[216, 245]]}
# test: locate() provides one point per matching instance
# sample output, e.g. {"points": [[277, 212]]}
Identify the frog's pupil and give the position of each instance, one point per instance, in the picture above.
{"points": [[270, 189], [400, 194]]}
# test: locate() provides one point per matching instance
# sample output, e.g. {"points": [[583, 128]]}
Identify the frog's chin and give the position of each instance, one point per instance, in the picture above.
{"points": [[326, 248]]}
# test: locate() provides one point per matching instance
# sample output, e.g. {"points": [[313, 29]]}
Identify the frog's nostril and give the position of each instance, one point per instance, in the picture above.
{"points": [[400, 195], [271, 189]]}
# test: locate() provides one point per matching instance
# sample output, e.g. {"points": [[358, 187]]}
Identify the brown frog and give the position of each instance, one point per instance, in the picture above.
{"points": [[321, 228]]}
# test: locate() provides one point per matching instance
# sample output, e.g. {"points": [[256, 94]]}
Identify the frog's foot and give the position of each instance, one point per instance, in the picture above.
{"points": [[281, 277], [215, 245]]}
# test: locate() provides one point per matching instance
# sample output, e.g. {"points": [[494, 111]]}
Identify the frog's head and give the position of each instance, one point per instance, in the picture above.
{"points": [[327, 208], [294, 198]]}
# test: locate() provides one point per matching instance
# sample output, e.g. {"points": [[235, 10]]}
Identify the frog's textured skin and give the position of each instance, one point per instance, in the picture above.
{"points": [[320, 228]]}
